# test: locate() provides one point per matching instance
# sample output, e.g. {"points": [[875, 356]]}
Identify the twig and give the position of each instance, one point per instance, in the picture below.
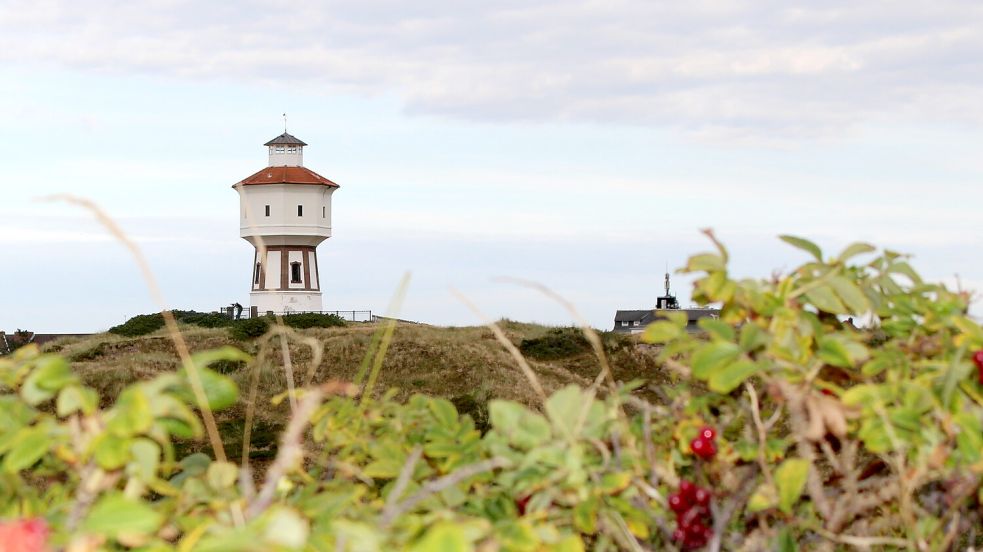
{"points": [[291, 451], [762, 434], [437, 485], [861, 542], [404, 479], [722, 517]]}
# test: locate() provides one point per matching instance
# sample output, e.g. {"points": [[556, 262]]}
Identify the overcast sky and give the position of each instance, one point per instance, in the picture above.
{"points": [[579, 144]]}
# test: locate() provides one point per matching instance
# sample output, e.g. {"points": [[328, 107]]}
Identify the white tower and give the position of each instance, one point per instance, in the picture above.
{"points": [[288, 206]]}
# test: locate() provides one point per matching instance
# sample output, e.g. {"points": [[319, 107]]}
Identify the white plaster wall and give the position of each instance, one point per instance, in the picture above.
{"points": [[283, 224], [284, 158], [312, 262], [285, 301], [272, 270], [295, 257]]}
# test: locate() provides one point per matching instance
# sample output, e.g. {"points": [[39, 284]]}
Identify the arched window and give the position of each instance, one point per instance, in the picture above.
{"points": [[295, 273]]}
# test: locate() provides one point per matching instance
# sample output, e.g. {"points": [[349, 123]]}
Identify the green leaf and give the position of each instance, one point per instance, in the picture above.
{"points": [[50, 374], [854, 249], [717, 328], [661, 331], [131, 415], [146, 459], [566, 409], [585, 516], [763, 498], [804, 245], [286, 527], [785, 542], [443, 537], [826, 300], [443, 411], [874, 435], [753, 337], [850, 294], [27, 447], [76, 399], [712, 357], [221, 475], [220, 391], [726, 380], [111, 451], [705, 262], [524, 428], [790, 478], [114, 515], [833, 351]]}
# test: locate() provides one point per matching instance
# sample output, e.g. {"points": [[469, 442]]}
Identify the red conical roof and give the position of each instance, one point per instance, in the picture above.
{"points": [[287, 175]]}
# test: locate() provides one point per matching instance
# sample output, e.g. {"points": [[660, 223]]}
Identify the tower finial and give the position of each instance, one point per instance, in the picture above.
{"points": [[284, 123]]}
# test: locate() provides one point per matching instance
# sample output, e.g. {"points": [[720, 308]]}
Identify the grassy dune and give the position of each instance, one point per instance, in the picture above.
{"points": [[466, 365]]}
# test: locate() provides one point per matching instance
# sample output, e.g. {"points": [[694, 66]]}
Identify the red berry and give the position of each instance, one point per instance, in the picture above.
{"points": [[701, 496], [686, 489], [704, 448], [678, 503], [695, 530], [708, 433], [708, 534], [679, 535], [521, 504], [978, 359]]}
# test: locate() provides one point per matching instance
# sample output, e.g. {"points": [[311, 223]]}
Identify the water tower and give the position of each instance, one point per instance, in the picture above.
{"points": [[288, 207]]}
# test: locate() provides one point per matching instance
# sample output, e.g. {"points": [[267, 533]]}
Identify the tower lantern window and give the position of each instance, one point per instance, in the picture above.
{"points": [[300, 210], [291, 149], [279, 149], [295, 273]]}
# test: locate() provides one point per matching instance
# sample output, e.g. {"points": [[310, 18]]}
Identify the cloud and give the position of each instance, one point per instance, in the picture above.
{"points": [[719, 70]]}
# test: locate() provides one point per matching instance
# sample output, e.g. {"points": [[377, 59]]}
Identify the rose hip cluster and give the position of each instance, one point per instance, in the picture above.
{"points": [[705, 445], [693, 518], [978, 360]]}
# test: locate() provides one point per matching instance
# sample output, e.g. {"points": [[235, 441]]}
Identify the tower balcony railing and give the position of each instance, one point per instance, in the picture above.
{"points": [[347, 315]]}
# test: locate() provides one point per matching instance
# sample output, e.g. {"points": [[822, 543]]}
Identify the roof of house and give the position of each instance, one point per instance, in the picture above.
{"points": [[285, 139], [650, 315], [287, 175]]}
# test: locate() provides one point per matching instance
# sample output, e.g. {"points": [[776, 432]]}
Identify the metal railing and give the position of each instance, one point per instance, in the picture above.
{"points": [[348, 315]]}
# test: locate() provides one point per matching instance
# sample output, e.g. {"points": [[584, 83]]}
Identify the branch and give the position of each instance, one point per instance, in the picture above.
{"points": [[437, 485]]}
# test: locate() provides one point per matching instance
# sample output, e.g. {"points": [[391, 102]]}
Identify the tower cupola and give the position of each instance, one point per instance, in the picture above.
{"points": [[286, 151]]}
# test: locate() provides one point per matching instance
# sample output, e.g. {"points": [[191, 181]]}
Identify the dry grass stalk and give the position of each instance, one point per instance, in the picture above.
{"points": [[509, 346], [194, 377], [392, 312]]}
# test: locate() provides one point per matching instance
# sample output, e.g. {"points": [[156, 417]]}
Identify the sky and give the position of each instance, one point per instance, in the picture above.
{"points": [[582, 145]]}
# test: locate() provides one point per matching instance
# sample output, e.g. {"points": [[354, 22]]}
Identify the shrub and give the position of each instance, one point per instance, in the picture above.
{"points": [[788, 427], [141, 324], [204, 319], [249, 328], [313, 320], [557, 343]]}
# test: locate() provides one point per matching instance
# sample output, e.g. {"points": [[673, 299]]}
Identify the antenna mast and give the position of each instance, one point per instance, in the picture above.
{"points": [[284, 123]]}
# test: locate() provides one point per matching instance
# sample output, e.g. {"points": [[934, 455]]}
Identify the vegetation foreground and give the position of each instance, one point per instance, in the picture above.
{"points": [[783, 426]]}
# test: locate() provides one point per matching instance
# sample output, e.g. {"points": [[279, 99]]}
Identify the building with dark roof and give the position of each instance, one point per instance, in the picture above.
{"points": [[634, 321]]}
